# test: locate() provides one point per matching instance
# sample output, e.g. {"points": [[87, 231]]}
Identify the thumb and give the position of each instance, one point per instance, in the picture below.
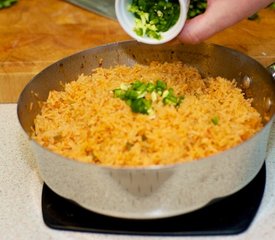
{"points": [[219, 15]]}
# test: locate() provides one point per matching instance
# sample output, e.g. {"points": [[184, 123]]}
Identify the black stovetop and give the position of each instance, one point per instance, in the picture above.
{"points": [[227, 216]]}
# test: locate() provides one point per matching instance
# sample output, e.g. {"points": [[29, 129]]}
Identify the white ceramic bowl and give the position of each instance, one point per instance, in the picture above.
{"points": [[127, 21]]}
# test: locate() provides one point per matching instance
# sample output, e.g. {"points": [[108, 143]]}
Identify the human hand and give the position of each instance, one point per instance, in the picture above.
{"points": [[219, 15]]}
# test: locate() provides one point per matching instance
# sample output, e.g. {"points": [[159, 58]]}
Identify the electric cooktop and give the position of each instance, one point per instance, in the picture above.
{"points": [[226, 216]]}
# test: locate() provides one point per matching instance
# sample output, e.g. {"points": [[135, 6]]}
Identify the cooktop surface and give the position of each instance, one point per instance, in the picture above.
{"points": [[226, 216]]}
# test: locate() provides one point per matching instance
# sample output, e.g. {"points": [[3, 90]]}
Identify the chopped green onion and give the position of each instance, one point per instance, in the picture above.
{"points": [[6, 3], [124, 86], [150, 87], [140, 96], [161, 85], [129, 102], [172, 100], [141, 105], [165, 93], [119, 93], [180, 99], [131, 94], [196, 7], [215, 120], [135, 85], [154, 16], [272, 5], [154, 96]]}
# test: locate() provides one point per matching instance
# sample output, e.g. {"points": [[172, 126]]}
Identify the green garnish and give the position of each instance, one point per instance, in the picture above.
{"points": [[119, 93], [150, 87], [196, 7], [272, 5], [170, 98], [6, 3], [140, 96], [154, 16], [215, 120], [160, 87], [141, 105]]}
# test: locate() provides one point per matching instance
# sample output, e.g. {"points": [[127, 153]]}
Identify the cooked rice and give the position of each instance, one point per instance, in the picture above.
{"points": [[86, 123]]}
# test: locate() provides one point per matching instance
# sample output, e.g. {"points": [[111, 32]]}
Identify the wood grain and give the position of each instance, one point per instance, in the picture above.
{"points": [[34, 34]]}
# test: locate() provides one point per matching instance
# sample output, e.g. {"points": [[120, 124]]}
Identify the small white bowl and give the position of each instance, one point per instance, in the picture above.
{"points": [[127, 21]]}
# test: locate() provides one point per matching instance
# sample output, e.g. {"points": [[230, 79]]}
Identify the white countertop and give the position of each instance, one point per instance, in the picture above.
{"points": [[21, 187]]}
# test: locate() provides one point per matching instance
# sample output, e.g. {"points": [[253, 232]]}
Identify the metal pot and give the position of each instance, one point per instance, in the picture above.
{"points": [[157, 191]]}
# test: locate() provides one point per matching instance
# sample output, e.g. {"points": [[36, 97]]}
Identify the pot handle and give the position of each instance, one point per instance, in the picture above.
{"points": [[271, 69]]}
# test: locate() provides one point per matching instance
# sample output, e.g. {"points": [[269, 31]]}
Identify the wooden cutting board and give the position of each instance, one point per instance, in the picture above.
{"points": [[34, 34]]}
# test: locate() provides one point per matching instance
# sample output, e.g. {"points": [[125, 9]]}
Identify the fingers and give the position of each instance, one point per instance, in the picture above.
{"points": [[196, 30], [220, 14]]}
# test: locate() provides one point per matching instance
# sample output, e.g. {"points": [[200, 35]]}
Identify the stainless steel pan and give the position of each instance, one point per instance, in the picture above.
{"points": [[158, 191]]}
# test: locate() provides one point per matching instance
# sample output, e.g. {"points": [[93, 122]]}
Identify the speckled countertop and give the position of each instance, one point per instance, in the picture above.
{"points": [[21, 187]]}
